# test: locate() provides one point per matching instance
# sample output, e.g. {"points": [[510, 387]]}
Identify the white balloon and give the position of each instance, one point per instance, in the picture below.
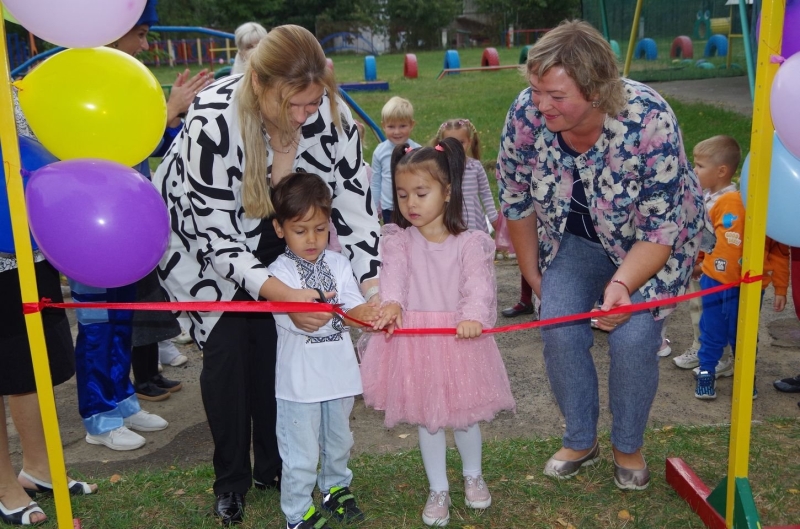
{"points": [[77, 23]]}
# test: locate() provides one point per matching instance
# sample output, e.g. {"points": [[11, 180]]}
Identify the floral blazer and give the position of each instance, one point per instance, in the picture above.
{"points": [[638, 182]]}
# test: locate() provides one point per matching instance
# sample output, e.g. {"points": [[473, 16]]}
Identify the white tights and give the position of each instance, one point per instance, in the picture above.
{"points": [[434, 449]]}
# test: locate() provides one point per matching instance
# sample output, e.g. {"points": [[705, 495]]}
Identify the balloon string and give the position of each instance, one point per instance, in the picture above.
{"points": [[298, 307]]}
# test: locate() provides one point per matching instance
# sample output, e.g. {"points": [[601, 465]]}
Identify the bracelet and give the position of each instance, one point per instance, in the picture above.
{"points": [[371, 292], [621, 282]]}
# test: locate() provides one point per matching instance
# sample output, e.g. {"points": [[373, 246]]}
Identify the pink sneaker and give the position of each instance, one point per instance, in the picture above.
{"points": [[437, 509], [476, 493]]}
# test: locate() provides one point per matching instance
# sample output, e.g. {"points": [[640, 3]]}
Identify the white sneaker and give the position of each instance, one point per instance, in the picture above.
{"points": [[169, 354], [118, 439], [144, 421], [687, 360], [665, 350], [183, 338], [724, 367]]}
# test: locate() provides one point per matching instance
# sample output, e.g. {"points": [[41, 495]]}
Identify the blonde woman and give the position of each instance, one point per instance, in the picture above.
{"points": [[247, 36], [600, 201], [243, 134]]}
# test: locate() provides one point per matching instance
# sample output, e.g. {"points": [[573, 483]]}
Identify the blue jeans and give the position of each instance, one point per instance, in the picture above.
{"points": [[572, 284], [717, 323], [307, 431]]}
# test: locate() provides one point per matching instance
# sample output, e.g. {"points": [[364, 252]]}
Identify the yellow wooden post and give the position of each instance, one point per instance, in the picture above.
{"points": [[753, 252], [30, 294], [199, 52], [632, 42]]}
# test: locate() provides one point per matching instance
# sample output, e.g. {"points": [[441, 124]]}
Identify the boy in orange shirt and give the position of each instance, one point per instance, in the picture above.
{"points": [[716, 160]]}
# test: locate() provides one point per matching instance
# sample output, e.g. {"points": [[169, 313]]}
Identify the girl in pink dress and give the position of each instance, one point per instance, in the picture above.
{"points": [[436, 273]]}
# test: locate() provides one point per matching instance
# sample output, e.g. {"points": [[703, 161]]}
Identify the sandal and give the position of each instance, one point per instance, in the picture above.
{"points": [[76, 488], [21, 516]]}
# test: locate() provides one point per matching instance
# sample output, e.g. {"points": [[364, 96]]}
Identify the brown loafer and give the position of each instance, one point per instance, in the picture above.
{"points": [[566, 469], [629, 479]]}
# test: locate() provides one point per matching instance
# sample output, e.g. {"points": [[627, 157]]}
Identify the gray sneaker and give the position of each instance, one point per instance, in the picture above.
{"points": [[687, 360], [724, 368]]}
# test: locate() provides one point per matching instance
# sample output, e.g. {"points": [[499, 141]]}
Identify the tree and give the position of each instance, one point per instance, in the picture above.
{"points": [[530, 13], [416, 24]]}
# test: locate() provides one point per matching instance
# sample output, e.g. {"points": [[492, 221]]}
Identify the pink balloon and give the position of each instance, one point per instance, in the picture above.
{"points": [[97, 221], [77, 23], [785, 104]]}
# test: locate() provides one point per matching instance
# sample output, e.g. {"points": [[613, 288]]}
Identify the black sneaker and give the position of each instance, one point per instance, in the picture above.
{"points": [[788, 385], [151, 392], [341, 503], [166, 384], [311, 520]]}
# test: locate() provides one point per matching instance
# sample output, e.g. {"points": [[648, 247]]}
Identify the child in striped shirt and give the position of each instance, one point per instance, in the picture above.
{"points": [[478, 199]]}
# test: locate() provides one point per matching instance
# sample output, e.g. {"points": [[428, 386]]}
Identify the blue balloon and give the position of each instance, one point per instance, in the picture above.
{"points": [[783, 214], [32, 157]]}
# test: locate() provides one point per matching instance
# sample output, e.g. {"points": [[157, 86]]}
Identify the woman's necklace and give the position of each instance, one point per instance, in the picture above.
{"points": [[571, 146], [292, 143]]}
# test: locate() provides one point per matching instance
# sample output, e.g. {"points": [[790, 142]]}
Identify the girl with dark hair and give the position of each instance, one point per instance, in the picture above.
{"points": [[436, 273]]}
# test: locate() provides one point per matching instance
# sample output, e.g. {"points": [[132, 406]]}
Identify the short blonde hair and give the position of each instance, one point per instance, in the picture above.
{"points": [[248, 34], [586, 57], [720, 150], [286, 62], [397, 109]]}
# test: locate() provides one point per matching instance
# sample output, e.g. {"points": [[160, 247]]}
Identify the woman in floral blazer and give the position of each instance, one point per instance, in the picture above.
{"points": [[600, 202]]}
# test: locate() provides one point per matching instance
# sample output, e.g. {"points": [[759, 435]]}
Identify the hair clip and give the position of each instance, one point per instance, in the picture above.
{"points": [[439, 147], [409, 149]]}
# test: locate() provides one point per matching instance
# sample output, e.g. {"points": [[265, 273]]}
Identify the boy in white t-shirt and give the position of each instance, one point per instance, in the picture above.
{"points": [[316, 373]]}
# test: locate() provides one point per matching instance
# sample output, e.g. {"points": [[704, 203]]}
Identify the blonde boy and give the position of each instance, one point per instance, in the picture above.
{"points": [[716, 160], [397, 122]]}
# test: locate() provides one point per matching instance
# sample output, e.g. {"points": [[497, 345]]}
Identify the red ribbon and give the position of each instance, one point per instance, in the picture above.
{"points": [[288, 306]]}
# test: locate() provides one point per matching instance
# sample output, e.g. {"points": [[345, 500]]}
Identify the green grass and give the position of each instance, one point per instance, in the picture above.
{"points": [[391, 488]]}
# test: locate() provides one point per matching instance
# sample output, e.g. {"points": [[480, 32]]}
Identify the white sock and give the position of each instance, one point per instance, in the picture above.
{"points": [[469, 445], [433, 448]]}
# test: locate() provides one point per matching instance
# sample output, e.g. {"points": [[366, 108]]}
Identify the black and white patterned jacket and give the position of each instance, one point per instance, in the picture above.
{"points": [[211, 243]]}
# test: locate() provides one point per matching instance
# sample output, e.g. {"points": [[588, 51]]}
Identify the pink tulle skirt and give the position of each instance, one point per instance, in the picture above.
{"points": [[434, 380]]}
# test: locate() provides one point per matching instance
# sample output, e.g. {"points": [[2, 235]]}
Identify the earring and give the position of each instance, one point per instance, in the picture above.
{"points": [[595, 104]]}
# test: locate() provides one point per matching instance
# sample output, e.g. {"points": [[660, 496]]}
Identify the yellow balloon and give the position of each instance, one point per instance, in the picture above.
{"points": [[94, 103]]}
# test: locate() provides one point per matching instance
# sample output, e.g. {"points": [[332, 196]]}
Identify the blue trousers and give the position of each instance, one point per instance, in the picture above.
{"points": [[572, 284], [103, 358]]}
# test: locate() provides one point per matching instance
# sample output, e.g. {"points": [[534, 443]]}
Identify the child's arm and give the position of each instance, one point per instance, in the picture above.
{"points": [[350, 297], [477, 307], [485, 192], [395, 270], [776, 259], [377, 174]]}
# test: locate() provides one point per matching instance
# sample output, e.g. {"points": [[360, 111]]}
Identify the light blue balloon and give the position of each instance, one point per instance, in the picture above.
{"points": [[783, 210]]}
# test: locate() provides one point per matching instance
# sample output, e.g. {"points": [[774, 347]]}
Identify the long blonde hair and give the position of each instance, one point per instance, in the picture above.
{"points": [[286, 62]]}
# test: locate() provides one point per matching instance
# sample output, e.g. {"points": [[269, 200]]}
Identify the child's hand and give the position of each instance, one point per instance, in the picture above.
{"points": [[779, 303], [391, 317], [697, 271], [364, 312], [469, 329]]}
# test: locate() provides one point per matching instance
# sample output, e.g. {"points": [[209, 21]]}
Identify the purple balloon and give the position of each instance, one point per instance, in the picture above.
{"points": [[785, 104], [790, 43], [97, 221]]}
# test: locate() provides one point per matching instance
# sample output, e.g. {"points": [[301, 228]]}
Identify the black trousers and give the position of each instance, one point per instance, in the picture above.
{"points": [[238, 388], [144, 361]]}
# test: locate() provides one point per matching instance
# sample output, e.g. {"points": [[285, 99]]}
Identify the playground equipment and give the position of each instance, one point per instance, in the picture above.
{"points": [[523, 54], [490, 61], [702, 26], [410, 69], [370, 68], [646, 49], [681, 48], [615, 48], [716, 45]]}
